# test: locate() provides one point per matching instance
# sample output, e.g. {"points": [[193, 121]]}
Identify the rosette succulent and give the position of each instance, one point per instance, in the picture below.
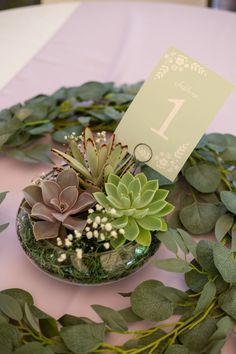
{"points": [[135, 205], [53, 203], [95, 159]]}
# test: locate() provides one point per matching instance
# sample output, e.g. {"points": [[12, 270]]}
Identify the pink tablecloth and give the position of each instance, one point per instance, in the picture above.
{"points": [[120, 42]]}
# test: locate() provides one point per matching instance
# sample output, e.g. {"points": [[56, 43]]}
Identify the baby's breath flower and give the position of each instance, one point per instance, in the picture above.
{"points": [[95, 233], [79, 253], [108, 226], [59, 241], [89, 234], [113, 211], [89, 221], [121, 231], [104, 219], [70, 237], [90, 211], [68, 243], [99, 207], [114, 233], [61, 258], [95, 225], [87, 228], [102, 237], [106, 245], [97, 219], [78, 234]]}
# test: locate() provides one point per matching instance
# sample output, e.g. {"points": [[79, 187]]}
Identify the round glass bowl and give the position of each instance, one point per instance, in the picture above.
{"points": [[93, 268]]}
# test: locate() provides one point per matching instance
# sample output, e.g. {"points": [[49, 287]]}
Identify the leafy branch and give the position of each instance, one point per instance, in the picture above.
{"points": [[206, 311], [95, 104]]}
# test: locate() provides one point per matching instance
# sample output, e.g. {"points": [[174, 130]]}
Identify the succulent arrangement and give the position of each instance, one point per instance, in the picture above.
{"points": [[95, 159], [93, 214]]}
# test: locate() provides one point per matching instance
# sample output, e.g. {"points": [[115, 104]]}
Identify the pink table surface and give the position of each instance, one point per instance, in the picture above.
{"points": [[118, 42]]}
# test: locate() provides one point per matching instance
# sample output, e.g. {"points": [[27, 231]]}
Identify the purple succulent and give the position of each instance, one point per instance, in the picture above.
{"points": [[53, 203]]}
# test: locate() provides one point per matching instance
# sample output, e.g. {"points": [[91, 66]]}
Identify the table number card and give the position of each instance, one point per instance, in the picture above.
{"points": [[171, 111]]}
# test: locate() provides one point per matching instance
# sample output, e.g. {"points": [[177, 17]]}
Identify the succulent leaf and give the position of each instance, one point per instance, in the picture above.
{"points": [[101, 199], [114, 179], [131, 229], [139, 207], [127, 178], [117, 242], [58, 202], [76, 153], [33, 195], [144, 237], [92, 157], [156, 207], [142, 179], [150, 223], [166, 210], [120, 223]]}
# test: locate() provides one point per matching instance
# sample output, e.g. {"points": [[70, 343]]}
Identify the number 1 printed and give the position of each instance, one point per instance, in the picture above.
{"points": [[162, 130]]}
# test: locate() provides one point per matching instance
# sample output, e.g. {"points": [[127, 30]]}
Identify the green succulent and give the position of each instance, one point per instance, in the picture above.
{"points": [[137, 206], [95, 159]]}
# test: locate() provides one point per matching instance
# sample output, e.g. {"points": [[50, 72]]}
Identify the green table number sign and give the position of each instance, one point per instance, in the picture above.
{"points": [[171, 111]]}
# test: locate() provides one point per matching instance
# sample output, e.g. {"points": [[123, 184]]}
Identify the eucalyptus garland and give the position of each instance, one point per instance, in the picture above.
{"points": [[205, 312], [95, 104]]}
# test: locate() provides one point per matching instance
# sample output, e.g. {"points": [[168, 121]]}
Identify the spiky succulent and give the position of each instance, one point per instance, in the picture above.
{"points": [[95, 159], [54, 201], [136, 206]]}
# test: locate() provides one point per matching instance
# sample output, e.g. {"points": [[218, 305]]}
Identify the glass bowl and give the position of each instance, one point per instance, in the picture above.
{"points": [[93, 268]]}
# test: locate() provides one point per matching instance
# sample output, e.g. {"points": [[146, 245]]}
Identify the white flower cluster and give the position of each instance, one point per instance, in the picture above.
{"points": [[101, 137], [100, 227]]}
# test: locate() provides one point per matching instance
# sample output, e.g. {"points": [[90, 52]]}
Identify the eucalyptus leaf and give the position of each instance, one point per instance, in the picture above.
{"points": [[207, 296], [33, 348], [92, 90], [172, 265], [195, 280], [83, 338], [33, 322], [3, 226], [205, 256], [177, 349], [10, 307], [229, 200], [167, 239], [188, 241], [48, 327], [129, 315], [44, 128], [227, 302], [233, 238], [224, 262], [199, 218], [196, 339], [112, 318], [20, 295], [224, 327], [9, 338], [203, 176], [230, 148], [148, 304], [223, 225]]}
